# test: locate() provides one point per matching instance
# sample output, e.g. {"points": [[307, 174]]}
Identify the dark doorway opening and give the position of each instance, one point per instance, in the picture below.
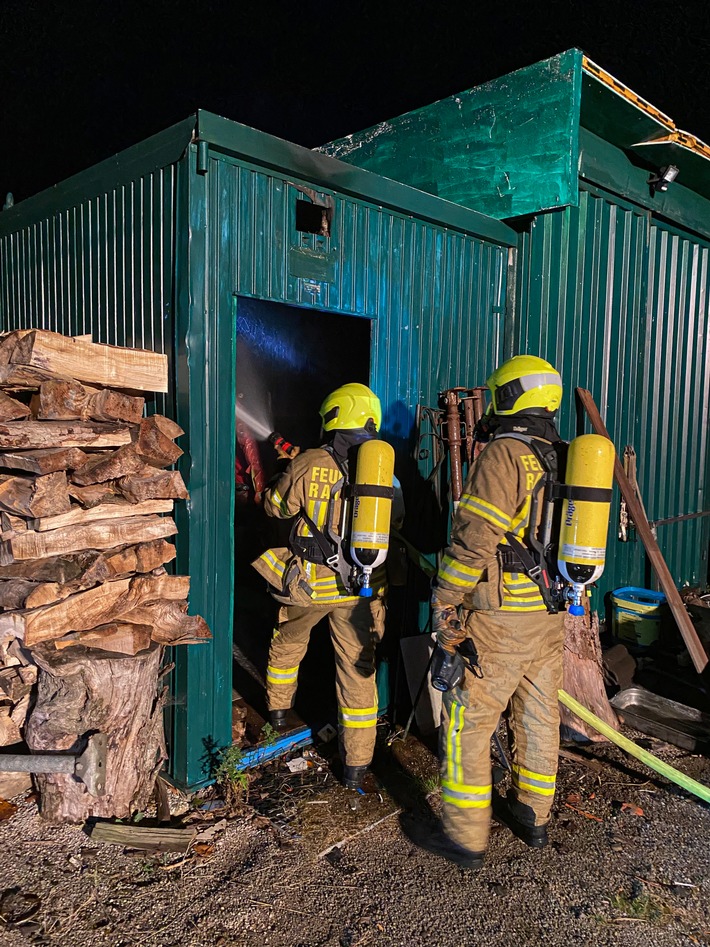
{"points": [[288, 360]]}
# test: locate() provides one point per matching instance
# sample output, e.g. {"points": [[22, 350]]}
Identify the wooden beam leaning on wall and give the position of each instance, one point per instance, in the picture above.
{"points": [[685, 625]]}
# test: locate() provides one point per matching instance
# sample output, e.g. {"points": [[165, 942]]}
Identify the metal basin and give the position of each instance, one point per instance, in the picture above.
{"points": [[666, 719]]}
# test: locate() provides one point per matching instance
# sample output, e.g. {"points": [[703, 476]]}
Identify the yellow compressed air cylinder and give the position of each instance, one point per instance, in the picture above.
{"points": [[372, 494], [585, 513]]}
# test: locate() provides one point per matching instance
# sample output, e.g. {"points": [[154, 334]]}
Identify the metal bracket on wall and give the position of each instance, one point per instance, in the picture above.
{"points": [[88, 767]]}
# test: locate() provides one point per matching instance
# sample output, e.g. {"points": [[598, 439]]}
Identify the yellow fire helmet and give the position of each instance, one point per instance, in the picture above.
{"points": [[349, 407], [525, 384]]}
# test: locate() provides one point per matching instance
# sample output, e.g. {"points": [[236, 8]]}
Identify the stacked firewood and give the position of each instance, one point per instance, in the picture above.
{"points": [[85, 504]]}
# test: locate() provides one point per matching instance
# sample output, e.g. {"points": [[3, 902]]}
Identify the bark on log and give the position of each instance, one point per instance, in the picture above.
{"points": [[93, 495], [38, 435], [169, 623], [62, 400], [35, 496], [158, 484], [117, 637], [11, 409], [80, 692], [45, 461], [583, 678]]}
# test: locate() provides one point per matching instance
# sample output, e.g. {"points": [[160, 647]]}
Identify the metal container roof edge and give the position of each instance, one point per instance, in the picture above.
{"points": [[241, 141], [250, 144]]}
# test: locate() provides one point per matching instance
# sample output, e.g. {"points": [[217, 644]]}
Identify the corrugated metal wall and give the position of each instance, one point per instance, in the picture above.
{"points": [[104, 267], [436, 296], [619, 304]]}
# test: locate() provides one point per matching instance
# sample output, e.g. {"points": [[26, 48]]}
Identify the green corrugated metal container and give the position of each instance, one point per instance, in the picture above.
{"points": [[611, 279], [164, 245]]}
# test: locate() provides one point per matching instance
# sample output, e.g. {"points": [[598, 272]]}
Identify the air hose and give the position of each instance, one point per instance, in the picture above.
{"points": [[648, 759]]}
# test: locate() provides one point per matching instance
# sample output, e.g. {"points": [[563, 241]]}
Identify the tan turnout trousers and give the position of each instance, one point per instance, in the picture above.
{"points": [[521, 660], [355, 629]]}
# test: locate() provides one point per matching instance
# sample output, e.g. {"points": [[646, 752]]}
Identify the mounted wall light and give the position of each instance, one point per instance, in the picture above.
{"points": [[665, 176]]}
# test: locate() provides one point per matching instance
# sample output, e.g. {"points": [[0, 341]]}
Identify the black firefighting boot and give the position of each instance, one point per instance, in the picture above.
{"points": [[277, 719], [534, 836], [432, 838], [353, 776]]}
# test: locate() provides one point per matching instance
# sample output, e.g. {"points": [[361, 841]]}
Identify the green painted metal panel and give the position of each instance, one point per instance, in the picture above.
{"points": [[505, 148], [673, 435], [620, 307]]}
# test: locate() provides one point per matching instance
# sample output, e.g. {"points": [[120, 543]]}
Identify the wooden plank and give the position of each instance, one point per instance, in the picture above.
{"points": [[106, 365], [44, 461], [159, 484], [36, 435], [685, 625], [117, 637], [11, 409], [148, 839], [101, 535], [35, 496], [120, 509]]}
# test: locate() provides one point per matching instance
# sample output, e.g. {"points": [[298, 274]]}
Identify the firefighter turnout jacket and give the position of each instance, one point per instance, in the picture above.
{"points": [[519, 649], [309, 591]]}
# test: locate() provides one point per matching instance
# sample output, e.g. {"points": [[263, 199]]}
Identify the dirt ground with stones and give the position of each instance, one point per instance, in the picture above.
{"points": [[633, 875]]}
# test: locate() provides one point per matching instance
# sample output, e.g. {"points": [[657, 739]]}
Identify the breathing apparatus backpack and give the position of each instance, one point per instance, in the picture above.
{"points": [[567, 551], [362, 541]]}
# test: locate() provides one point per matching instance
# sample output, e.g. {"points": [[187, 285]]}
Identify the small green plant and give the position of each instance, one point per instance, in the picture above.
{"points": [[268, 735], [643, 907], [230, 775]]}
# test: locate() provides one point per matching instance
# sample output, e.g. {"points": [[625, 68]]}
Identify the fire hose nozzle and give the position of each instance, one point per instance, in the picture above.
{"points": [[283, 446]]}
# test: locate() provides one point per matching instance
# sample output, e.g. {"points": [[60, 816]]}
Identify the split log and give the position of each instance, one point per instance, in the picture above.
{"points": [[120, 509], [158, 484], [143, 557], [93, 495], [97, 606], [19, 712], [11, 409], [104, 534], [155, 441], [38, 435], [71, 702], [12, 686], [67, 399], [44, 461], [9, 731], [110, 465], [583, 677], [170, 624], [9, 523], [35, 496], [117, 637], [54, 569], [106, 365], [153, 447], [14, 592]]}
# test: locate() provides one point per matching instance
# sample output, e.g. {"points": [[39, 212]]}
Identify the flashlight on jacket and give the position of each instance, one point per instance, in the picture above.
{"points": [[281, 444], [447, 670]]}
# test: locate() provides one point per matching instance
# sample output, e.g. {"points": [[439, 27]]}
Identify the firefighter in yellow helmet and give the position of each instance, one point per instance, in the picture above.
{"points": [[311, 578], [484, 602]]}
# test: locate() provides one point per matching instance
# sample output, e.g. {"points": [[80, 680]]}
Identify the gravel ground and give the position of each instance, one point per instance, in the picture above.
{"points": [[621, 878]]}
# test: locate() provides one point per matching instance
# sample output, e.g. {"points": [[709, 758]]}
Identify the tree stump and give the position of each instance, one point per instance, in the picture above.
{"points": [[82, 692], [583, 678]]}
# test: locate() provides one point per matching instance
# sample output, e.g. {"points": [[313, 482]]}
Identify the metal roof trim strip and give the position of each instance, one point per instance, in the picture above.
{"points": [[268, 151]]}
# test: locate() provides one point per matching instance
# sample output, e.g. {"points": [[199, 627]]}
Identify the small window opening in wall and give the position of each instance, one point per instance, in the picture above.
{"points": [[312, 218]]}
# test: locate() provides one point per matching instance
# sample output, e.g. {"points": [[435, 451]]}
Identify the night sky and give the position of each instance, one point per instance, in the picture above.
{"points": [[82, 79]]}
